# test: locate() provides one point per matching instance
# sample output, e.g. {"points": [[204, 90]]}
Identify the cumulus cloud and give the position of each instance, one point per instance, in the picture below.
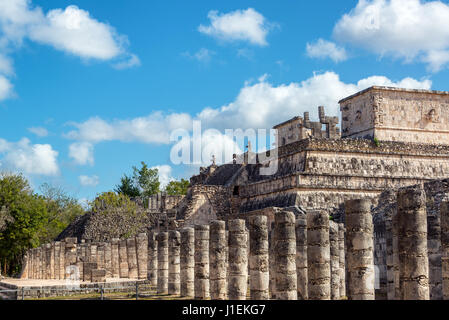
{"points": [[82, 153], [71, 30], [202, 55], [38, 159], [240, 25], [87, 181], [6, 88], [262, 104], [154, 128], [165, 175], [258, 105], [325, 49], [39, 131], [412, 30]]}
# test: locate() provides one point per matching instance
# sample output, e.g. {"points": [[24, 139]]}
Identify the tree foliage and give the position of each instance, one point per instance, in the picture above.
{"points": [[28, 219], [143, 183], [62, 209], [177, 188]]}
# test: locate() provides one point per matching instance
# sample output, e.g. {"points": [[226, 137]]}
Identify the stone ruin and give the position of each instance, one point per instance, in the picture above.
{"points": [[390, 139], [301, 256]]}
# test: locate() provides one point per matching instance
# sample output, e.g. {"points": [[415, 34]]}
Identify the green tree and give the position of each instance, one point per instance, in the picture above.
{"points": [[28, 218], [177, 188], [127, 187], [147, 180], [62, 210]]}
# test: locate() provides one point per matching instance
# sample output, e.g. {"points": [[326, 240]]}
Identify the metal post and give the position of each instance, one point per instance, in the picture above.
{"points": [[137, 290]]}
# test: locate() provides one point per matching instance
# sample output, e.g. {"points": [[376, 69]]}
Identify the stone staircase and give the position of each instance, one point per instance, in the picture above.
{"points": [[9, 295]]}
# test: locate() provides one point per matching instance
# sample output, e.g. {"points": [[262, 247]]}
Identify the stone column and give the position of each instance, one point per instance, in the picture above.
{"points": [[115, 260], [100, 255], [301, 256], [80, 258], [412, 244], [123, 259], [444, 214], [318, 255], [132, 258], [187, 262], [62, 260], [342, 255], [335, 260], [108, 259], [162, 263], [48, 265], [174, 270], [142, 255], [42, 262], [93, 253], [202, 262], [57, 251], [360, 253], [285, 256], [272, 284], [70, 255], [152, 259], [258, 259], [52, 261], [217, 259], [238, 260]]}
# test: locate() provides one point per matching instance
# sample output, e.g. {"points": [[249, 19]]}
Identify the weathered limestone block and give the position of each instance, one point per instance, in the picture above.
{"points": [[285, 256], [100, 255], [444, 214], [335, 260], [271, 260], [187, 262], [115, 260], [342, 255], [48, 262], [123, 259], [132, 258], [202, 262], [258, 259], [152, 259], [318, 255], [108, 259], [52, 261], [57, 259], [80, 260], [301, 256], [98, 275], [412, 244], [142, 255], [360, 254], [93, 252], [174, 267], [88, 267], [70, 256], [217, 259], [62, 260], [238, 260], [162, 263]]}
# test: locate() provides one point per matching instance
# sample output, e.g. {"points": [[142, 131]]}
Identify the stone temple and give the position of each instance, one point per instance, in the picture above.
{"points": [[389, 157]]}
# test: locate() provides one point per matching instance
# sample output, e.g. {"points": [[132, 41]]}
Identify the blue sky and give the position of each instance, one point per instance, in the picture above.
{"points": [[89, 88]]}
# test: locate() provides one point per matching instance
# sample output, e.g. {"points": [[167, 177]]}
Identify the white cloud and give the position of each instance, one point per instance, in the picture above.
{"points": [[131, 62], [165, 174], [413, 30], [262, 104], [72, 30], [39, 159], [87, 181], [202, 55], [82, 153], [240, 25], [154, 128], [39, 131], [325, 49], [6, 88]]}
